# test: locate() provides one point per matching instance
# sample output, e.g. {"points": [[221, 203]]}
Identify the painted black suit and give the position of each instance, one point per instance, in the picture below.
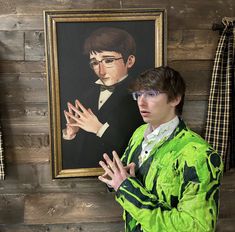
{"points": [[120, 111]]}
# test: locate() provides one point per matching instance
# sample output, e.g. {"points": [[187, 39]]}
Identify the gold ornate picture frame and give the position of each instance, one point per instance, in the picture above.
{"points": [[69, 75]]}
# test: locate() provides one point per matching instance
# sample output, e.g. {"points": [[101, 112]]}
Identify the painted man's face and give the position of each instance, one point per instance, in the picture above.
{"points": [[109, 66]]}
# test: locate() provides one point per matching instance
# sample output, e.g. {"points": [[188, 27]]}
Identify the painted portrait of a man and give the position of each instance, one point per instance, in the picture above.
{"points": [[106, 115], [92, 62]]}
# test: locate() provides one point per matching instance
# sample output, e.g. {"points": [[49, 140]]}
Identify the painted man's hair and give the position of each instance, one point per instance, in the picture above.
{"points": [[110, 39]]}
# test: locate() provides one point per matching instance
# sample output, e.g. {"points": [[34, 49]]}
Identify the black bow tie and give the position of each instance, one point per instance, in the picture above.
{"points": [[105, 87]]}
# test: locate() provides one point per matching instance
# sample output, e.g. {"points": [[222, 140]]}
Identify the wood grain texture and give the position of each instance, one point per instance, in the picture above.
{"points": [[25, 140], [23, 88], [11, 208], [21, 22], [194, 114], [45, 208], [34, 45], [22, 67], [197, 75], [226, 225], [7, 7], [36, 7], [11, 45], [188, 14], [192, 44], [27, 155], [226, 221], [25, 178], [71, 227]]}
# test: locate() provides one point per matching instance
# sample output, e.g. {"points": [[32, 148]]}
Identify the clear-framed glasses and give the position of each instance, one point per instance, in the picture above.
{"points": [[148, 94], [108, 62]]}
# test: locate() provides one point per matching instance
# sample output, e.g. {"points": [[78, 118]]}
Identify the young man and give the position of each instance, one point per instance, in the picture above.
{"points": [[169, 177], [100, 120]]}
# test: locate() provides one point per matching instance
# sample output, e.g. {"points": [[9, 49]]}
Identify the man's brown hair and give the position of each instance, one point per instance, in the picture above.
{"points": [[164, 79]]}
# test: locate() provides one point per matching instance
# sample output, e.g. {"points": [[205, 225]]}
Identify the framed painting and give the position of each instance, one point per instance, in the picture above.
{"points": [[92, 58]]}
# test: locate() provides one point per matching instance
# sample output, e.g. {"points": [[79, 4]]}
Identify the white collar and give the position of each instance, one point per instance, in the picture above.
{"points": [[163, 129]]}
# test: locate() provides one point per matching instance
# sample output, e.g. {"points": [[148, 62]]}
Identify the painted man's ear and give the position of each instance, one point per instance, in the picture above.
{"points": [[130, 61]]}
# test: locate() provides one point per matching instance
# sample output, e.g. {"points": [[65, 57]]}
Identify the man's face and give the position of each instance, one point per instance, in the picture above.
{"points": [[110, 67], [157, 110]]}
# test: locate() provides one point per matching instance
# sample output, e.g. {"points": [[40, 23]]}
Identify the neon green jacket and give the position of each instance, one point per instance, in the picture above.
{"points": [[176, 188]]}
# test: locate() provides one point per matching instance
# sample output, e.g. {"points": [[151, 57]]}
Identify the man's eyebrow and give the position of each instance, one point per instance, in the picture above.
{"points": [[107, 56]]}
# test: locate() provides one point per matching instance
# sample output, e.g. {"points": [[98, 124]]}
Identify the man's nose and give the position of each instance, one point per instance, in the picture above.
{"points": [[141, 100], [102, 69]]}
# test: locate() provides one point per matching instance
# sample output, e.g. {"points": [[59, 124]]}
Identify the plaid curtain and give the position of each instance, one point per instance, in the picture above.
{"points": [[220, 115], [2, 174]]}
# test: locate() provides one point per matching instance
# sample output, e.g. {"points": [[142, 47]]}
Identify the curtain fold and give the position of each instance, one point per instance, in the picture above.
{"points": [[220, 116], [2, 173]]}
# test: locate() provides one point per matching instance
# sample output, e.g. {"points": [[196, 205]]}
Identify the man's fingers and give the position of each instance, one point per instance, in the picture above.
{"points": [[106, 169], [76, 105], [107, 159], [105, 175], [69, 107], [106, 181], [71, 116], [74, 125], [112, 165], [118, 161], [132, 169], [74, 109], [66, 117], [79, 104], [90, 111]]}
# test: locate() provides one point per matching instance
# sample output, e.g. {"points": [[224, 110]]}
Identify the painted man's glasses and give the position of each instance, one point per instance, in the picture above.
{"points": [[148, 94], [108, 62]]}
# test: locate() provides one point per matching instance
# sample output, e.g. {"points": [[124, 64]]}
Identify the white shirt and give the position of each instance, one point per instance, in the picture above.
{"points": [[153, 137]]}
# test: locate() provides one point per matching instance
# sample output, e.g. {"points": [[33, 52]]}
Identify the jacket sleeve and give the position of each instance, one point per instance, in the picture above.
{"points": [[197, 206]]}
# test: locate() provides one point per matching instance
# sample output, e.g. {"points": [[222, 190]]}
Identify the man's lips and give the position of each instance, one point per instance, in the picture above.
{"points": [[144, 112], [104, 77]]}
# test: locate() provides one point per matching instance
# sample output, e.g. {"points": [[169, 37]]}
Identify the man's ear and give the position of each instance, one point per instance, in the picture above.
{"points": [[176, 101], [130, 61]]}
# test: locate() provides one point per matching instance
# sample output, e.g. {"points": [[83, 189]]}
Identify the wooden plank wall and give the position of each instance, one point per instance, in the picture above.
{"points": [[29, 199]]}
